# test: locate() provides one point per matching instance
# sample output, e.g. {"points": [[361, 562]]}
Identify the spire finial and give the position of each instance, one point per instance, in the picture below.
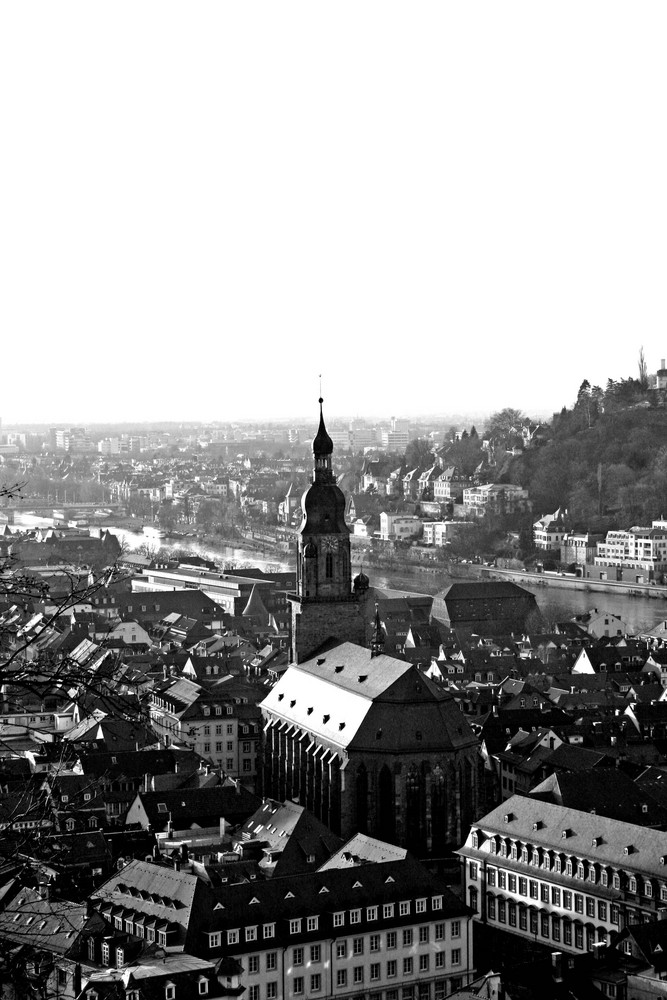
{"points": [[320, 400]]}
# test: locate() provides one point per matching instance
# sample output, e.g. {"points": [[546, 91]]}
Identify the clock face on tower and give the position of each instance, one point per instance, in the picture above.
{"points": [[330, 544]]}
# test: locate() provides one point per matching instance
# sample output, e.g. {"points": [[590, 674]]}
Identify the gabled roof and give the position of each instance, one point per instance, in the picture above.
{"points": [[53, 925], [346, 697], [189, 807], [605, 790]]}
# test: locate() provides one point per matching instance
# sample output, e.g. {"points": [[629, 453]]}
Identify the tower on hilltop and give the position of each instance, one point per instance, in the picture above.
{"points": [[326, 604]]}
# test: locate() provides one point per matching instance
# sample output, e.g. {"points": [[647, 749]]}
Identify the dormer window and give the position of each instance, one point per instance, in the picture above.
{"points": [[169, 992], [203, 986]]}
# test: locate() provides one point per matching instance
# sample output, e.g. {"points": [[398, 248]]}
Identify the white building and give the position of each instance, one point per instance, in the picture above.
{"points": [[636, 548], [440, 532], [550, 531], [499, 498], [560, 876], [399, 527]]}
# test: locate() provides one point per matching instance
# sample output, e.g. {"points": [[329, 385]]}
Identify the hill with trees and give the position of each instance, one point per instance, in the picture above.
{"points": [[606, 459]]}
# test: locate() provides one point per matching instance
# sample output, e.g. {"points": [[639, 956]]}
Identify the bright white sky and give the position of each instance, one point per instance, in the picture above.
{"points": [[441, 206]]}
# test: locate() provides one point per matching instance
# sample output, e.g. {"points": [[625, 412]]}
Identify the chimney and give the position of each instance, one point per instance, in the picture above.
{"points": [[44, 890], [662, 362]]}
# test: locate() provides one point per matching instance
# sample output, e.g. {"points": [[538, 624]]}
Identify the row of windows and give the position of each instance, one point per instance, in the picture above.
{"points": [[357, 975], [297, 925], [375, 944], [548, 926], [540, 890], [588, 871], [422, 991]]}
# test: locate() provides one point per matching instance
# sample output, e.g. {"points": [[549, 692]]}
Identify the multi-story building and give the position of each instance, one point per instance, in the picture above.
{"points": [[223, 724], [550, 531], [641, 549], [449, 485], [388, 929], [497, 498], [399, 527], [579, 547], [440, 532], [562, 877]]}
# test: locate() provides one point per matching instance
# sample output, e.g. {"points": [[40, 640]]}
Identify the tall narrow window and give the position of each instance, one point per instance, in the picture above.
{"points": [[329, 566]]}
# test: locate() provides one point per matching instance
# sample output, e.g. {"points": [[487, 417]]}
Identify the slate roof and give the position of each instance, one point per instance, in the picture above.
{"points": [[291, 830], [146, 888], [647, 848], [200, 806], [608, 791], [361, 850], [345, 697], [54, 925], [133, 763], [322, 892]]}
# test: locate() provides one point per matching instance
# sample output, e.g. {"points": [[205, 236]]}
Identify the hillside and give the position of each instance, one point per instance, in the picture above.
{"points": [[606, 460]]}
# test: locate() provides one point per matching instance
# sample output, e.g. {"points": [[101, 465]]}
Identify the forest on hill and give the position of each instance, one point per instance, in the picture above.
{"points": [[604, 459]]}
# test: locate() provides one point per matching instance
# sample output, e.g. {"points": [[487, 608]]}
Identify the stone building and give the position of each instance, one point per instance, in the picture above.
{"points": [[493, 607], [325, 604], [369, 744], [363, 740]]}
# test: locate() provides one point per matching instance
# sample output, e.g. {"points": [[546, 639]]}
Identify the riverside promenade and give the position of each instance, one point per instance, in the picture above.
{"points": [[567, 581]]}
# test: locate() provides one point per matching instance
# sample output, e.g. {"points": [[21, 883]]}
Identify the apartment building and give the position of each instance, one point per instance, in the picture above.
{"points": [[498, 498], [399, 527], [562, 877], [440, 533], [223, 724], [637, 548], [387, 931]]}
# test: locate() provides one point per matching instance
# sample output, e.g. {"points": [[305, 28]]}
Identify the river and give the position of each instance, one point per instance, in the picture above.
{"points": [[556, 604]]}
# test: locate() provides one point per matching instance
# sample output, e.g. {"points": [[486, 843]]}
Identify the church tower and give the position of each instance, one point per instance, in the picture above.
{"points": [[326, 604]]}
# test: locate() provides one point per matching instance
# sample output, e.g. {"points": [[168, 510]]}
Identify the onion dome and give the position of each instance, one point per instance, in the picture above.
{"points": [[360, 582]]}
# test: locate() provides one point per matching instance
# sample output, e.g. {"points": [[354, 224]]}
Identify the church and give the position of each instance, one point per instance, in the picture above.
{"points": [[363, 740]]}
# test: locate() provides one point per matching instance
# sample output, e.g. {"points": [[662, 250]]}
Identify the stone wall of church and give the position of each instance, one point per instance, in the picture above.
{"points": [[422, 802], [425, 802], [313, 624]]}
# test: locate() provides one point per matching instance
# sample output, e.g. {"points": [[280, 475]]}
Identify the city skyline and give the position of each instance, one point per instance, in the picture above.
{"points": [[456, 210]]}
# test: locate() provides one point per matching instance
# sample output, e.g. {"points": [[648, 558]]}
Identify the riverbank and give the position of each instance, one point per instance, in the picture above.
{"points": [[570, 582]]}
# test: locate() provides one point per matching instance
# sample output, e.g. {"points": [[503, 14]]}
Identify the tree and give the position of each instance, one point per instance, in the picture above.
{"points": [[643, 370], [504, 424], [418, 454]]}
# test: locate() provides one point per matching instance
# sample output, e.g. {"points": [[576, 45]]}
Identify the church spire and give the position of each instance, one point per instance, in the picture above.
{"points": [[378, 637], [322, 450]]}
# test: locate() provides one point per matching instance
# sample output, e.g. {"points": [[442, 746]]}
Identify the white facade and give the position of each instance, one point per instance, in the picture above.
{"points": [[498, 497], [440, 532], [636, 548], [565, 878], [398, 527]]}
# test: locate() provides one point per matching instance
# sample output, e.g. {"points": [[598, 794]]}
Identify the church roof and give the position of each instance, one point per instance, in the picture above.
{"points": [[347, 699]]}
